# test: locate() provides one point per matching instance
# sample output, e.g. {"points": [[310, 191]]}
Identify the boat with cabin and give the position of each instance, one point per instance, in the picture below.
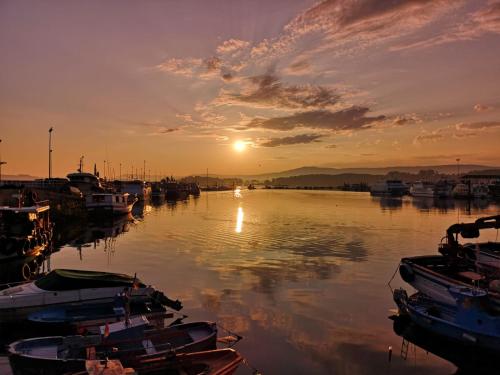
{"points": [[135, 188], [109, 203], [25, 231], [393, 188], [484, 255], [468, 190], [134, 343], [174, 191], [63, 287], [443, 189], [87, 183], [422, 189]]}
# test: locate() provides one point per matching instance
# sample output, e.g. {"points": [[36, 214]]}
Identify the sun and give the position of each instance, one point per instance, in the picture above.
{"points": [[239, 146]]}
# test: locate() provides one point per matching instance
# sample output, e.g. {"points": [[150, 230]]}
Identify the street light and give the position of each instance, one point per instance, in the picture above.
{"points": [[50, 152]]}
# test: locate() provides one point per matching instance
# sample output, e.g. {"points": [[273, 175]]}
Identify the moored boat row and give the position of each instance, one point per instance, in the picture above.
{"points": [[107, 316], [458, 292]]}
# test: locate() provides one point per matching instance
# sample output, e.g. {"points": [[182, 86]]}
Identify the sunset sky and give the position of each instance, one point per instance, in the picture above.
{"points": [[295, 83]]}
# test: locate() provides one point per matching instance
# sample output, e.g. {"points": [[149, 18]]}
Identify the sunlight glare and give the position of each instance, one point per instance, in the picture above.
{"points": [[239, 220], [239, 146]]}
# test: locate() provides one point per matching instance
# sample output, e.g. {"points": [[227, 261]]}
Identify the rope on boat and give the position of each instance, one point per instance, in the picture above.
{"points": [[231, 340], [392, 278]]}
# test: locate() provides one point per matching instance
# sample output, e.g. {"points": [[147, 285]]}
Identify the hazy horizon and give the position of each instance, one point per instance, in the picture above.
{"points": [[249, 87]]}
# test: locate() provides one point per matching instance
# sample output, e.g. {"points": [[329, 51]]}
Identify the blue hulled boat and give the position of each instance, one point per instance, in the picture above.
{"points": [[469, 321]]}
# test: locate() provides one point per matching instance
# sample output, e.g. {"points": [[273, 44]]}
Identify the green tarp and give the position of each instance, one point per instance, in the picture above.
{"points": [[62, 279]]}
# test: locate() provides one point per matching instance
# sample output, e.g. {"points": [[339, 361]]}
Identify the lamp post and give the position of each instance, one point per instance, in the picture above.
{"points": [[1, 161], [50, 152], [458, 168]]}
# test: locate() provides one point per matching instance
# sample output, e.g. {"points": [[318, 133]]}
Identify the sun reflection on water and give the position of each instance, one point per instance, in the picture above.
{"points": [[237, 192], [239, 220]]}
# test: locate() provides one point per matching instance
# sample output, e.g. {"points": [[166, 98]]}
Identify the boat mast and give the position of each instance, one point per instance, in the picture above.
{"points": [[1, 161], [50, 152]]}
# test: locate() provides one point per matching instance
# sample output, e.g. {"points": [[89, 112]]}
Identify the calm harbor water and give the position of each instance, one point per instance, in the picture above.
{"points": [[301, 275]]}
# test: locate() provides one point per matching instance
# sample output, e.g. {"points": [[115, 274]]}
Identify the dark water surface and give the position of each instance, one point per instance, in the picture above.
{"points": [[302, 275]]}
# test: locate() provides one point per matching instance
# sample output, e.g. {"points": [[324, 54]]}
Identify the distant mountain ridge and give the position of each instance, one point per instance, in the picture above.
{"points": [[18, 177], [443, 169]]}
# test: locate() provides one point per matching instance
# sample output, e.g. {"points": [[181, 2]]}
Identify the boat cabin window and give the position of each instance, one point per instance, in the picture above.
{"points": [[98, 198]]}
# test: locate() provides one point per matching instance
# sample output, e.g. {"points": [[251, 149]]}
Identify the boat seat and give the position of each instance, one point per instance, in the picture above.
{"points": [[148, 346], [473, 276]]}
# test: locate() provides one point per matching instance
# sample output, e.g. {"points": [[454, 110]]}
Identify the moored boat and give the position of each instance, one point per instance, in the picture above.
{"points": [[109, 203], [24, 231], [136, 188], [74, 287], [89, 317], [214, 362], [133, 343], [485, 255], [393, 188], [422, 189], [434, 275], [466, 321]]}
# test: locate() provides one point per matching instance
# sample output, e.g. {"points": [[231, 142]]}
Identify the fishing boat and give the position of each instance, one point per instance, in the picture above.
{"points": [[175, 191], [443, 189], [467, 190], [133, 343], [136, 188], [193, 189], [434, 275], [467, 358], [157, 191], [393, 188], [109, 203], [494, 188], [74, 287], [89, 317], [485, 255], [24, 231], [466, 321], [422, 189], [87, 183], [214, 362]]}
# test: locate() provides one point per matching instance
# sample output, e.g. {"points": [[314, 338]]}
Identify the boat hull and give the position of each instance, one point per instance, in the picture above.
{"points": [[15, 308], [436, 285], [50, 364], [446, 327]]}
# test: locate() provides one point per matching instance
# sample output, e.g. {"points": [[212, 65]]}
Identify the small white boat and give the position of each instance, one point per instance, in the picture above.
{"points": [[109, 203], [422, 189], [71, 287]]}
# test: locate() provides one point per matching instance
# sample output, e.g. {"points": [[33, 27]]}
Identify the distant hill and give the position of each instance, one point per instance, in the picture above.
{"points": [[442, 169], [17, 177]]}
